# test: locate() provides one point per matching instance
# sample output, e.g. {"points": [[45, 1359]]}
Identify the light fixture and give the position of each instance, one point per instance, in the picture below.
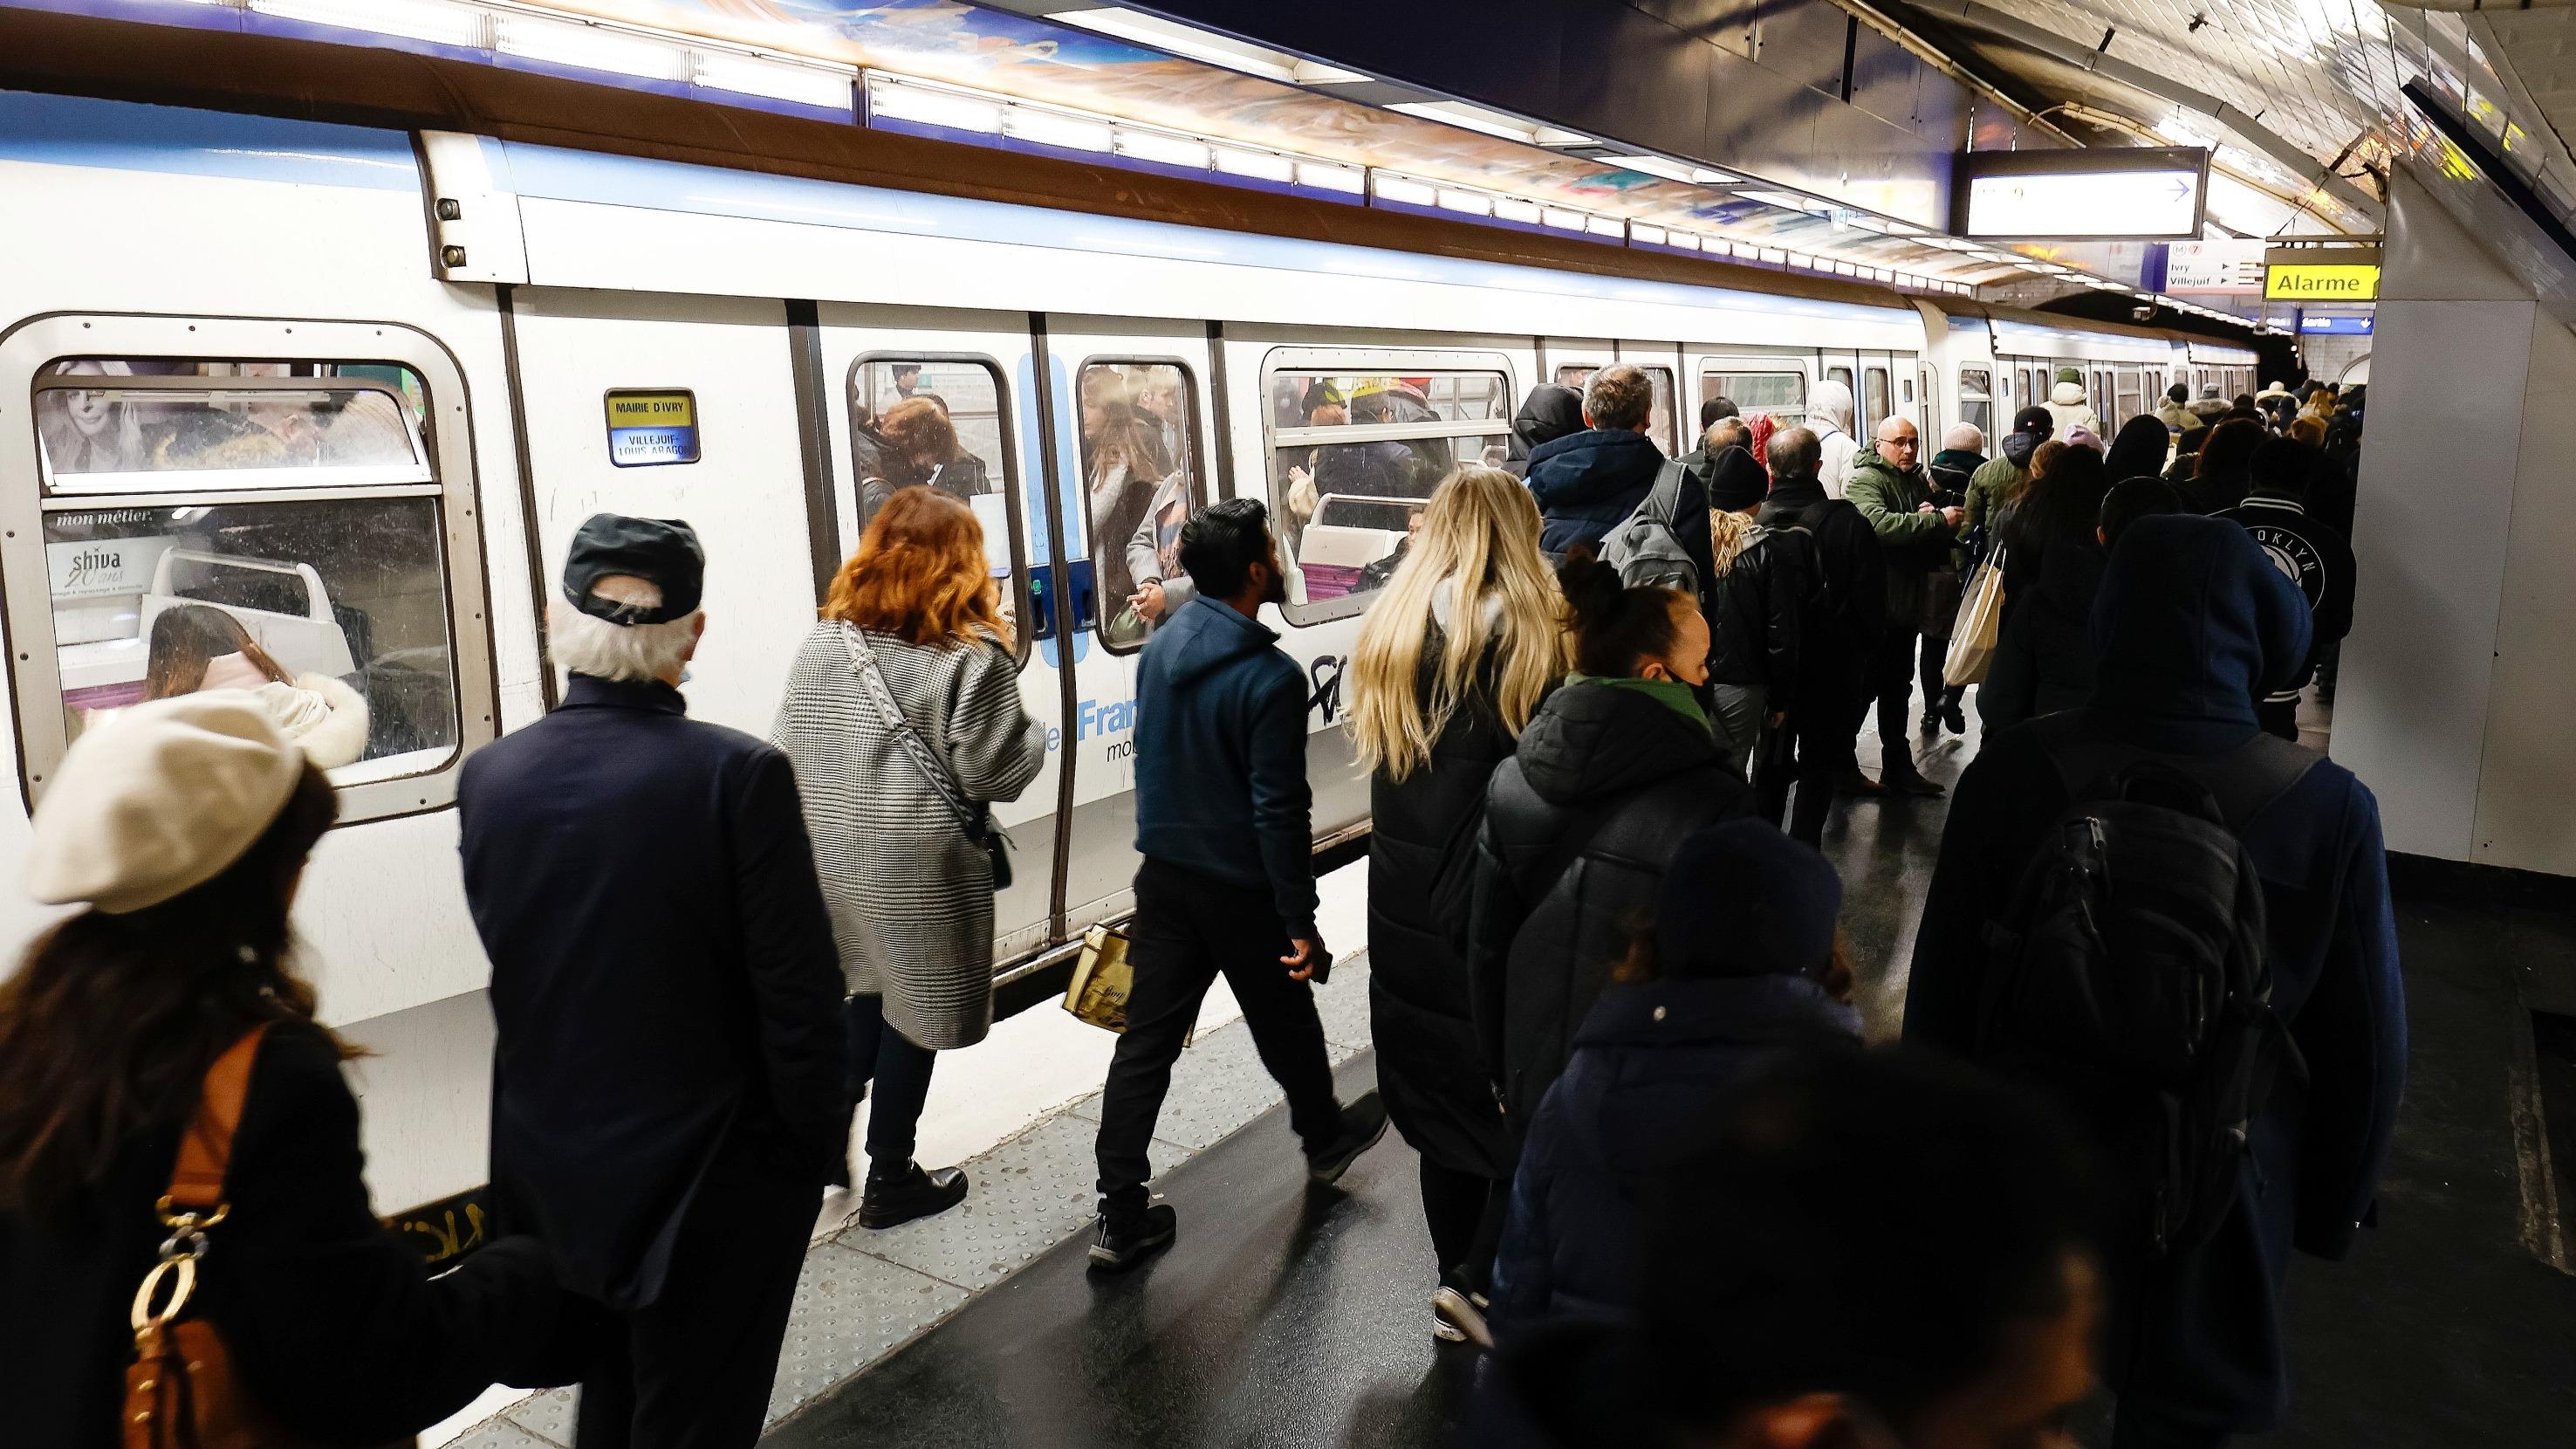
{"points": [[1325, 176], [1773, 255], [1511, 208], [1056, 128], [1121, 23], [442, 22], [1473, 118], [932, 106], [1682, 241], [1651, 235], [1163, 148], [1259, 165], [1562, 219], [1844, 269], [1473, 203], [589, 47], [1408, 193], [821, 86], [1609, 226]]}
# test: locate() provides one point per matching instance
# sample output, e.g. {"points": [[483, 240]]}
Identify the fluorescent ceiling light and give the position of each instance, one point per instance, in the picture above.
{"points": [[1055, 128], [1683, 240], [1845, 269], [1158, 146], [1474, 118], [808, 85], [1609, 226], [1259, 165], [1556, 136], [1562, 219], [933, 107], [1719, 247], [1474, 203], [1773, 255], [1121, 23], [1410, 193], [1657, 166], [590, 47], [1512, 209], [442, 22], [1325, 176], [1639, 231]]}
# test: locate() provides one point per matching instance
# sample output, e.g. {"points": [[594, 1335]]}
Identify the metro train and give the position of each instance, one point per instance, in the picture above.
{"points": [[354, 388]]}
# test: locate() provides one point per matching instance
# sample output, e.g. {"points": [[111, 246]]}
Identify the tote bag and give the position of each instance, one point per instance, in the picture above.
{"points": [[1981, 616]]}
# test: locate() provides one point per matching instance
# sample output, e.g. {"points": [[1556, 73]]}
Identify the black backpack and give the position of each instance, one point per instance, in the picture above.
{"points": [[2129, 974]]}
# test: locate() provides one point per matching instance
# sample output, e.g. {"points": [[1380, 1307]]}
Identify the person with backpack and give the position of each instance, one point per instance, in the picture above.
{"points": [[1614, 772], [1813, 742], [1590, 483], [1892, 490], [1756, 605], [2307, 549], [2156, 847]]}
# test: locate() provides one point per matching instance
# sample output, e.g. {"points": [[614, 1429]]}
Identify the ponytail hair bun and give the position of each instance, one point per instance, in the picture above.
{"points": [[1616, 627]]}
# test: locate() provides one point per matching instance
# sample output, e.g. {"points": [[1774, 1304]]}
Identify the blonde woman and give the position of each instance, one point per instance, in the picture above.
{"points": [[1455, 658]]}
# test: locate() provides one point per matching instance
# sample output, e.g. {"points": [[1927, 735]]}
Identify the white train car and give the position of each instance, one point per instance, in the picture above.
{"points": [[1985, 363], [353, 389]]}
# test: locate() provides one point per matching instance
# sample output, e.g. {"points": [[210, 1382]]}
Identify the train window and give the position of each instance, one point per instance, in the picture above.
{"points": [[1780, 394], [1140, 472], [2132, 395], [1976, 401], [1354, 455], [1842, 375], [2098, 392], [1874, 403], [1659, 411], [940, 422], [271, 527]]}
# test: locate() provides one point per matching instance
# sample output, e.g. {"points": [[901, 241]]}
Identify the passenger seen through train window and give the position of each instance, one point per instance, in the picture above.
{"points": [[947, 413], [1136, 469], [1345, 498]]}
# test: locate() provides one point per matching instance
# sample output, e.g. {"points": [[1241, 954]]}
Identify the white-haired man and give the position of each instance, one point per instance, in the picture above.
{"points": [[667, 1091]]}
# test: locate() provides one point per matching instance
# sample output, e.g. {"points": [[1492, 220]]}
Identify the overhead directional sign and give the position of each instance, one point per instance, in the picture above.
{"points": [[2337, 325], [2154, 195], [2215, 268]]}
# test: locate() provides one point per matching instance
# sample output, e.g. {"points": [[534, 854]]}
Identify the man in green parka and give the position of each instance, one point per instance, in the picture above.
{"points": [[1891, 489]]}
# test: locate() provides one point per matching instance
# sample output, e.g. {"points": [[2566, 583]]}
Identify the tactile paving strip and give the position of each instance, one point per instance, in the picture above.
{"points": [[550, 1415], [1025, 1197], [498, 1434], [850, 1310], [1343, 1004]]}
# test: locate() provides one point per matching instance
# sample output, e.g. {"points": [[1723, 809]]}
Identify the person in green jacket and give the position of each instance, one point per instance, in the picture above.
{"points": [[1891, 489], [1997, 481]]}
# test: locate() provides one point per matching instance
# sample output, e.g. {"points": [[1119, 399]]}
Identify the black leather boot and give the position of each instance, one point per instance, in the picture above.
{"points": [[908, 1192]]}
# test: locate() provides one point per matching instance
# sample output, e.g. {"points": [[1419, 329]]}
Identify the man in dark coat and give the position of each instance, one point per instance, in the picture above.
{"points": [[1586, 482], [667, 1091], [1702, 460], [1757, 608], [1815, 747], [2192, 625], [2307, 550], [2043, 661], [1227, 885]]}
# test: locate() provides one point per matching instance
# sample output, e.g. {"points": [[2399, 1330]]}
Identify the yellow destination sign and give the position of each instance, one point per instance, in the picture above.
{"points": [[2321, 282], [651, 410]]}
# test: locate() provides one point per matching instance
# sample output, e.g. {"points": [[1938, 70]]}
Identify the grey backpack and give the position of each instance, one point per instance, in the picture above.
{"points": [[1644, 547]]}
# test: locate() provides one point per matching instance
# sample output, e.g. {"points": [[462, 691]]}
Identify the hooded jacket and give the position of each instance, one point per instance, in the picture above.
{"points": [[1993, 483], [1605, 784], [1648, 1064], [1586, 482], [1829, 417], [1847, 586], [2191, 625], [2311, 553], [1914, 542], [1953, 469], [2067, 404], [1221, 758], [2176, 416], [2138, 450], [2043, 660], [1551, 411]]}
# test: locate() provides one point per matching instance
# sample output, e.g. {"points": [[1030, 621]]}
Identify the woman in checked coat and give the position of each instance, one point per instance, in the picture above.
{"points": [[896, 809]]}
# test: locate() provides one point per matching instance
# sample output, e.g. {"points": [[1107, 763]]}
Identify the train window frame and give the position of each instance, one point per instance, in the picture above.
{"points": [[1714, 367], [2129, 392], [1015, 500], [1197, 464], [1977, 394], [231, 480], [1669, 438], [444, 434], [1364, 361], [1885, 381]]}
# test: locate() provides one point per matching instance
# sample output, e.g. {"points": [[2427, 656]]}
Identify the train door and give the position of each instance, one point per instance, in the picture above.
{"points": [[1881, 379], [1673, 426], [1130, 405], [1571, 361], [1927, 417], [1844, 368], [679, 407], [1773, 384], [978, 370]]}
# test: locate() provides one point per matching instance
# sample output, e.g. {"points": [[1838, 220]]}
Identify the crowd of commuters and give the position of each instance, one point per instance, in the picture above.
{"points": [[1610, 999]]}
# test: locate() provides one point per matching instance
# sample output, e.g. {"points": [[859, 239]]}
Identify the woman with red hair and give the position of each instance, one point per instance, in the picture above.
{"points": [[904, 722]]}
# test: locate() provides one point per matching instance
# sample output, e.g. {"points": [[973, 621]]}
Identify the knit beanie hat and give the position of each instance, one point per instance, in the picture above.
{"points": [[1740, 483], [2070, 374], [1742, 899], [160, 800]]}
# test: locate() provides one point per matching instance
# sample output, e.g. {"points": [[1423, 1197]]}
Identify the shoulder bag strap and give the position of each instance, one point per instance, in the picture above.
{"points": [[206, 1151], [863, 662], [1664, 501]]}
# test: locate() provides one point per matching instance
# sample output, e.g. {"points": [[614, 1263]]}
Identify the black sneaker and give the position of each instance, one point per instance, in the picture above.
{"points": [[1363, 1123], [1955, 717], [908, 1193], [1458, 1316], [1122, 1243], [1853, 782], [1911, 782]]}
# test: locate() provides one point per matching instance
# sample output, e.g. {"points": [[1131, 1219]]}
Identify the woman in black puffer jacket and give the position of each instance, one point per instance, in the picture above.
{"points": [[1613, 774], [1450, 666]]}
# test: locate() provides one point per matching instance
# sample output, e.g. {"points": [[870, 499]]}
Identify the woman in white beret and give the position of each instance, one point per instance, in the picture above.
{"points": [[180, 830]]}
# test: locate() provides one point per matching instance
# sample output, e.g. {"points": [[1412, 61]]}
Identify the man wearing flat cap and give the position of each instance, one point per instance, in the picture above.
{"points": [[667, 1083]]}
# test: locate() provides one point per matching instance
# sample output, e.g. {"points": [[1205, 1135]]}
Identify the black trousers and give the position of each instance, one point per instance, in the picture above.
{"points": [[1938, 694], [1189, 930], [1466, 1212], [692, 1369], [2278, 718], [1891, 678], [899, 1071], [1813, 751]]}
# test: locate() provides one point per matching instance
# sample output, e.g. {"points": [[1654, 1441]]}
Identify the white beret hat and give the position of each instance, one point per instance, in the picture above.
{"points": [[159, 801]]}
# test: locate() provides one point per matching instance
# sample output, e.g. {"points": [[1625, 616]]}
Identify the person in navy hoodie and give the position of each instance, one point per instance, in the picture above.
{"points": [[2193, 624], [1741, 960], [1586, 482]]}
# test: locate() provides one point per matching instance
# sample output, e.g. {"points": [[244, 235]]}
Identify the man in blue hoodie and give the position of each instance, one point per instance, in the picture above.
{"points": [[2192, 625], [1228, 883], [1587, 482]]}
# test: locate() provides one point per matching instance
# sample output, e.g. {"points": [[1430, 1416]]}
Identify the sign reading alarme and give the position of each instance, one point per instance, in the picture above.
{"points": [[647, 429]]}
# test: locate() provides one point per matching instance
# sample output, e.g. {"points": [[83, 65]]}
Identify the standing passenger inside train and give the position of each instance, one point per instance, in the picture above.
{"points": [[1227, 887], [1894, 493], [1829, 416], [904, 722], [2174, 412], [667, 1082], [1588, 482], [2068, 408], [1551, 411], [1815, 747], [1757, 608], [181, 831], [1615, 771], [1702, 460], [2192, 624], [1453, 661]]}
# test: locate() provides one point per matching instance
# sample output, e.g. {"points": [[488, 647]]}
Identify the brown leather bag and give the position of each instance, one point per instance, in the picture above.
{"points": [[182, 1392]]}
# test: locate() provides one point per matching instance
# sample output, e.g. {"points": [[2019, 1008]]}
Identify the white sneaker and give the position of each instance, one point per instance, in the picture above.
{"points": [[1460, 1317]]}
